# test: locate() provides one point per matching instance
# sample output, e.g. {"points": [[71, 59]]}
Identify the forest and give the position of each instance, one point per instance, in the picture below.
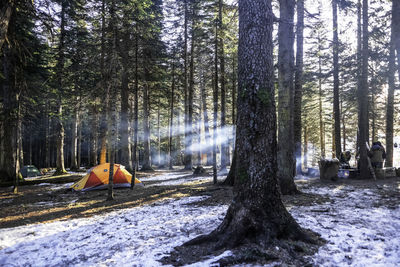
{"points": [[254, 122]]}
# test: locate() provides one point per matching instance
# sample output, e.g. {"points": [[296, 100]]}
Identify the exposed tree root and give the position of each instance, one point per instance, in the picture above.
{"points": [[252, 236]]}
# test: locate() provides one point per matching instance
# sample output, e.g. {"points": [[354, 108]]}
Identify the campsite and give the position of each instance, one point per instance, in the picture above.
{"points": [[200, 133], [48, 224]]}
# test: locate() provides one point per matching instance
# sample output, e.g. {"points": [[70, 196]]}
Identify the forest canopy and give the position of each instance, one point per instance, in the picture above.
{"points": [[152, 83]]}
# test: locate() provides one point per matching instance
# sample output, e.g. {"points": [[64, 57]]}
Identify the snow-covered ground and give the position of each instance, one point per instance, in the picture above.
{"points": [[359, 231]]}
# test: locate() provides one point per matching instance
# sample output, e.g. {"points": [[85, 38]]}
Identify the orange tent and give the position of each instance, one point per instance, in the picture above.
{"points": [[97, 178]]}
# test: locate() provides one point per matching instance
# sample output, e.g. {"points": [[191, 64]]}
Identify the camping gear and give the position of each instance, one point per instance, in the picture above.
{"points": [[328, 169], [97, 178], [30, 171]]}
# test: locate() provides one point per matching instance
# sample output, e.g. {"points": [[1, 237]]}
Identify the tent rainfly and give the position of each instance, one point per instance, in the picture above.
{"points": [[97, 178]]}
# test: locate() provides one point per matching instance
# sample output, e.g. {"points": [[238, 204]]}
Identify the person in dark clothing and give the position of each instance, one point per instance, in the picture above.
{"points": [[377, 155], [345, 160]]}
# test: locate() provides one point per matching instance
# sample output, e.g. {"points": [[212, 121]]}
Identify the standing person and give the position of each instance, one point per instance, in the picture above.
{"points": [[377, 155], [345, 160]]}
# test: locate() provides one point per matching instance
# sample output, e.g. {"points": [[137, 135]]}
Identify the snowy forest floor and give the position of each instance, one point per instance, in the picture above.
{"points": [[49, 225]]}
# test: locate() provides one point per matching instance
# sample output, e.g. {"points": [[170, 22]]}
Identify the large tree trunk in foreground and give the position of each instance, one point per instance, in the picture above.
{"points": [[256, 216], [298, 85], [285, 157]]}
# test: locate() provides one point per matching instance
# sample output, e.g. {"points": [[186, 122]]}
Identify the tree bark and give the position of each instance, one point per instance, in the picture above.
{"points": [[363, 96], [146, 129], [321, 119], [171, 120], [74, 145], [224, 145], [286, 162], [298, 85], [103, 123], [189, 121], [124, 125], [188, 153], [206, 120], [111, 103], [336, 107], [10, 163], [234, 72], [305, 153], [93, 134], [256, 215], [60, 169], [5, 16], [390, 96], [136, 109], [215, 106]]}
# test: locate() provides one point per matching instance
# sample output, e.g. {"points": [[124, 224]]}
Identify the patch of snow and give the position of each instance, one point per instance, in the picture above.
{"points": [[43, 184], [358, 232], [131, 237], [176, 179], [212, 261]]}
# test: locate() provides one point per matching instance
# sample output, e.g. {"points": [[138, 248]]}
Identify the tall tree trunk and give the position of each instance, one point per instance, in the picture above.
{"points": [[390, 96], [159, 161], [188, 153], [11, 109], [336, 107], [146, 129], [298, 85], [47, 124], [206, 120], [215, 105], [189, 122], [93, 133], [224, 145], [74, 145], [256, 216], [285, 156], [171, 120], [60, 73], [305, 153], [363, 96], [124, 125], [234, 71], [79, 152], [344, 135], [111, 103], [136, 109], [321, 119], [103, 123]]}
